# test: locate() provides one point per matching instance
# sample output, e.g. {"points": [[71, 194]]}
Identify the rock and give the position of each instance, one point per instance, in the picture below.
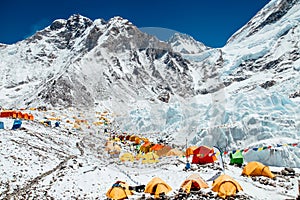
{"points": [[290, 170], [284, 172]]}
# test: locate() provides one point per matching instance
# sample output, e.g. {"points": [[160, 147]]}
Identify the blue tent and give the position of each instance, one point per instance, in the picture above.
{"points": [[57, 124], [17, 124], [1, 125]]}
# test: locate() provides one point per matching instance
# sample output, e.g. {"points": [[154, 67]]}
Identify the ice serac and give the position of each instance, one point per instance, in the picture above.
{"points": [[259, 71]]}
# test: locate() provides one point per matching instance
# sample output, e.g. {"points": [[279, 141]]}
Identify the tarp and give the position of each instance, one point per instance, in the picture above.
{"points": [[226, 186], [257, 169], [194, 182], [119, 190], [163, 151], [175, 152], [1, 125], [157, 186], [17, 124], [203, 155], [236, 158]]}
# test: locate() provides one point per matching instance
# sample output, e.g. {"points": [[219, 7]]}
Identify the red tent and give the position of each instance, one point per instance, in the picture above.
{"points": [[203, 154]]}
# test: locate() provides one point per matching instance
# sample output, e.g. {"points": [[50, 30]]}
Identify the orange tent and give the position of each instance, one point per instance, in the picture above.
{"points": [[257, 169], [190, 151], [157, 186], [137, 140], [119, 190], [132, 138], [146, 147], [226, 186], [31, 117], [25, 116], [6, 113], [156, 147], [193, 182]]}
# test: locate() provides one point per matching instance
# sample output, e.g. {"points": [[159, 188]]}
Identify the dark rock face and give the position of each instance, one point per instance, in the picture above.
{"points": [[164, 97], [56, 25], [295, 95], [77, 22], [92, 38], [268, 84]]}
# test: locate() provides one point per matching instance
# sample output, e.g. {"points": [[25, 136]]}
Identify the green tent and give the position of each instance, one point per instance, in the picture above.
{"points": [[236, 158]]}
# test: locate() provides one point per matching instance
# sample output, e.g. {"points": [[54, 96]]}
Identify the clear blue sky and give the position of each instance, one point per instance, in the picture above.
{"points": [[209, 21]]}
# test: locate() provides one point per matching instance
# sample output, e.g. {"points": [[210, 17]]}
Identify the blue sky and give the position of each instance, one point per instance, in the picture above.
{"points": [[209, 21]]}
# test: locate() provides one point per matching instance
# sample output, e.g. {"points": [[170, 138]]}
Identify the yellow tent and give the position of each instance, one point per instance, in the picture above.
{"points": [[157, 186], [149, 158], [190, 150], [257, 169], [226, 186], [175, 152], [193, 182], [119, 190], [139, 156], [127, 157]]}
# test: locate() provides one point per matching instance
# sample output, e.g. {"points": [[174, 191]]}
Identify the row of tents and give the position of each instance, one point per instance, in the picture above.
{"points": [[200, 154], [16, 114], [224, 185]]}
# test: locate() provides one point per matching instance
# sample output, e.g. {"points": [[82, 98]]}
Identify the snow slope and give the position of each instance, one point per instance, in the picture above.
{"points": [[42, 162]]}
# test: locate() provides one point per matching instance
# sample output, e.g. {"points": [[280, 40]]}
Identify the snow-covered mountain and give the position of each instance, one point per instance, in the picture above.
{"points": [[243, 94], [185, 44], [78, 61]]}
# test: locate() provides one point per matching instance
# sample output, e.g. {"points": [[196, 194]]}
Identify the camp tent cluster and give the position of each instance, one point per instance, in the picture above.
{"points": [[145, 150], [224, 185], [16, 116], [103, 118]]}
